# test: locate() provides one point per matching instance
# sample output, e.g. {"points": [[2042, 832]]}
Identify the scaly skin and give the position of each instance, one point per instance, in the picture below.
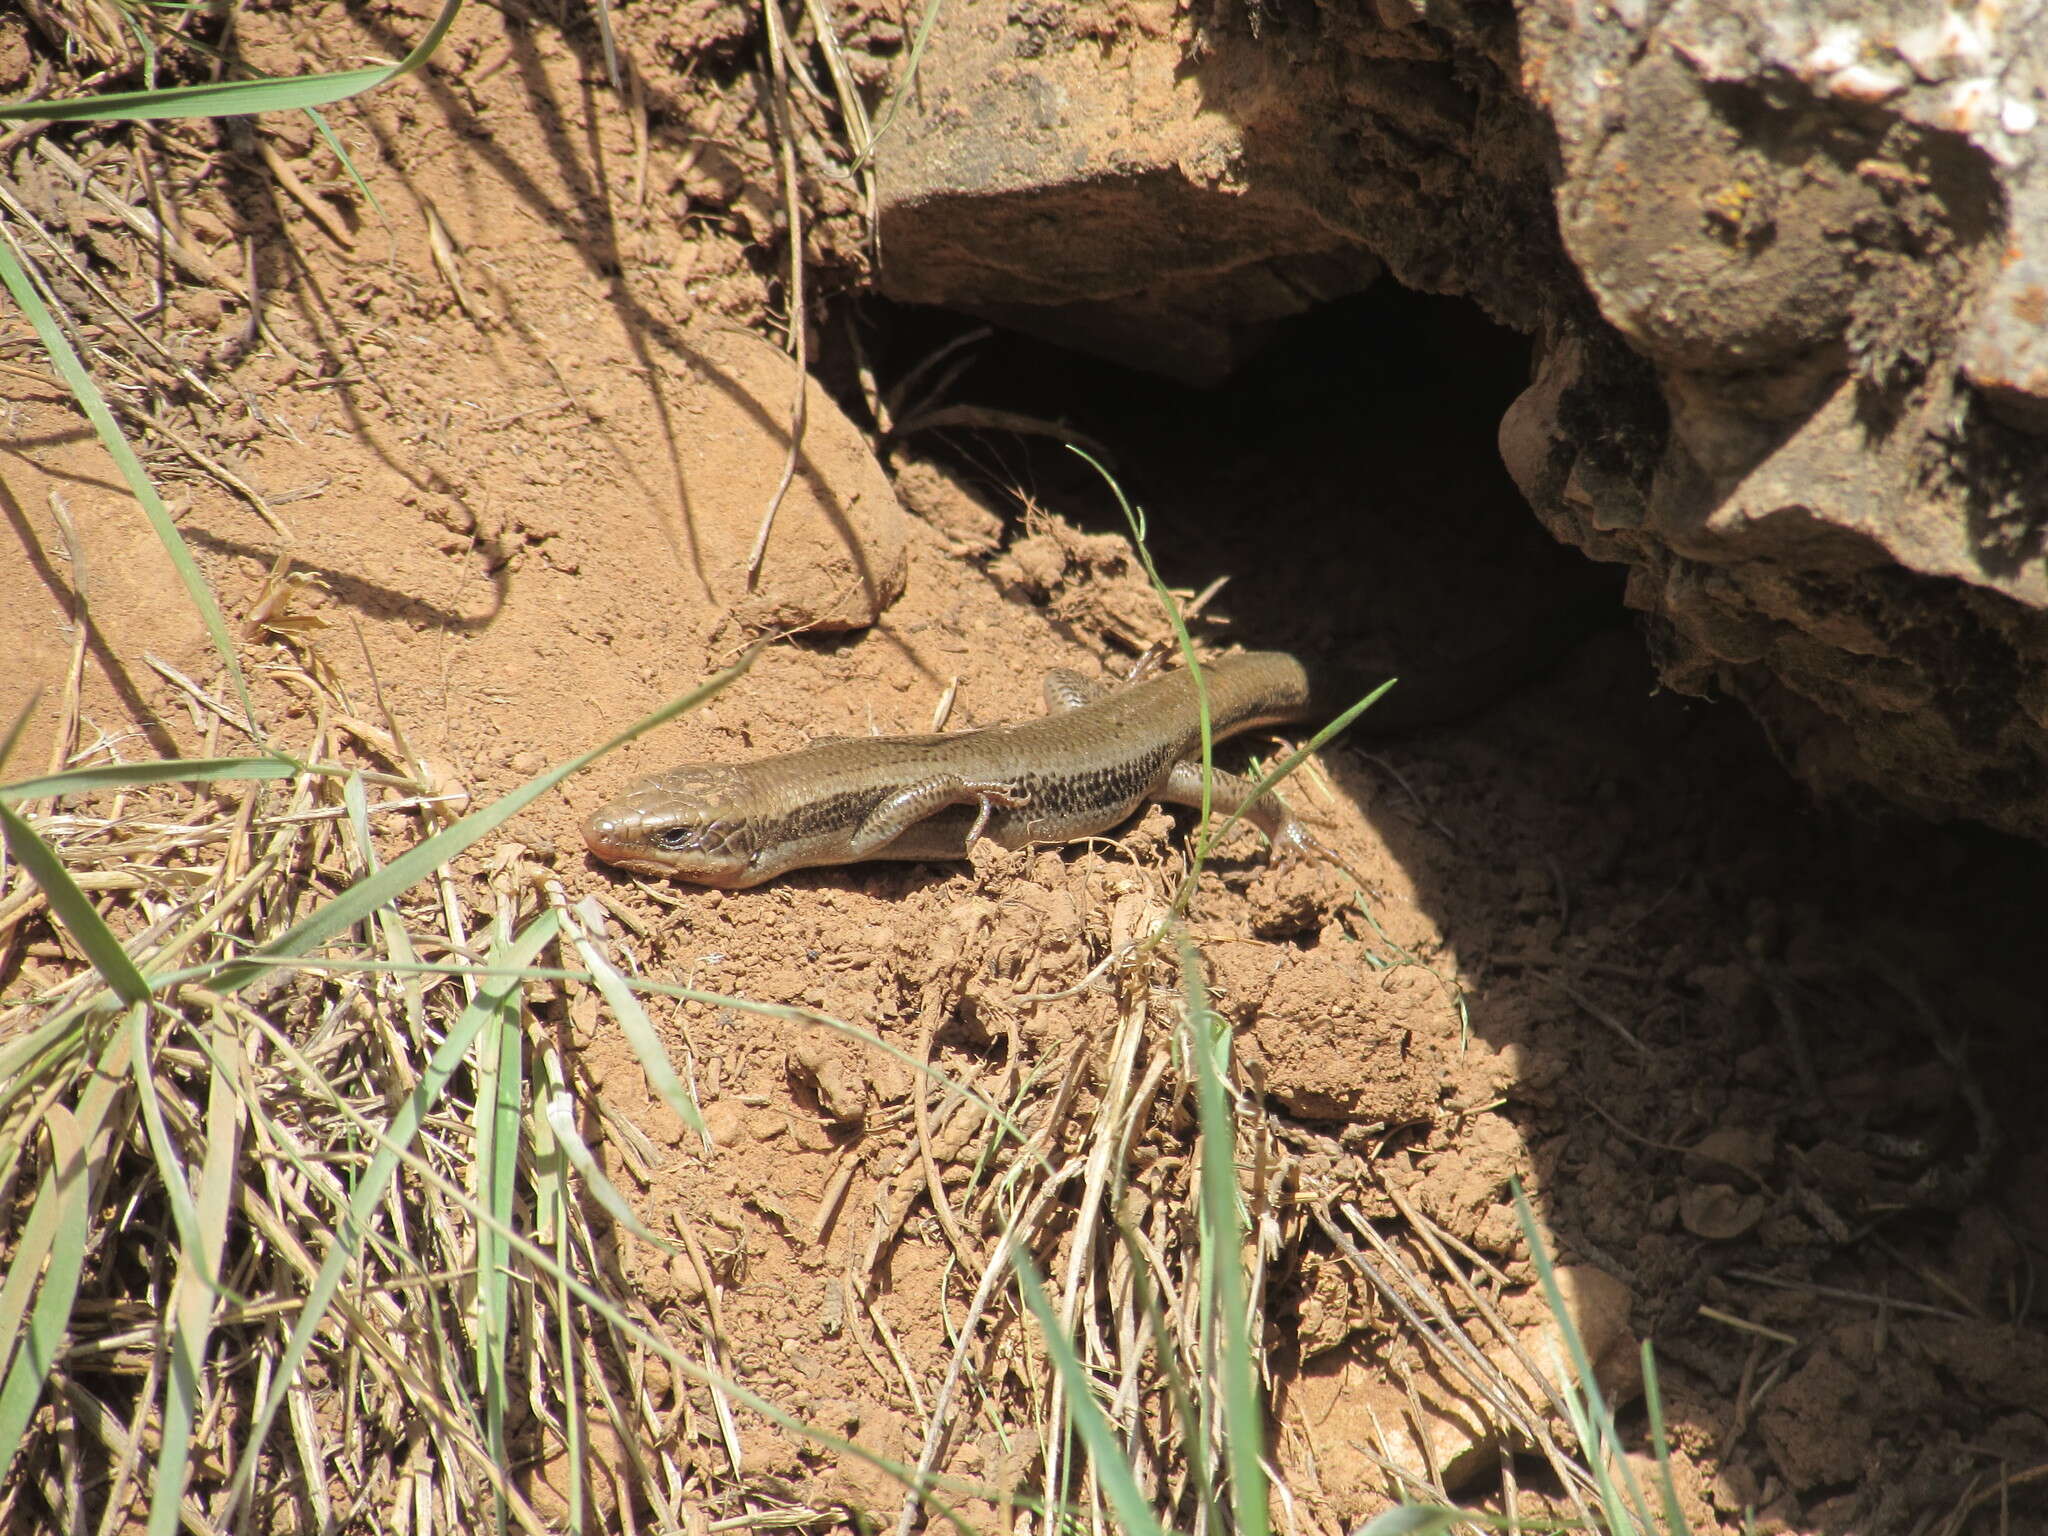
{"points": [[1078, 771]]}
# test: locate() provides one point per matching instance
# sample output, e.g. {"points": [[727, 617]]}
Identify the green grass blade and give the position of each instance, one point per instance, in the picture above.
{"points": [[41, 1235], [1223, 1234], [1111, 1463], [233, 98], [500, 1093], [1135, 517], [13, 737], [903, 87], [558, 1107], [1660, 1446], [27, 1061], [1624, 1505], [64, 1192], [189, 770], [219, 98], [416, 863], [639, 1029], [390, 921], [340, 150], [197, 1288], [369, 1192], [1300, 754], [25, 1263], [142, 1067], [80, 919], [94, 405], [1412, 1520]]}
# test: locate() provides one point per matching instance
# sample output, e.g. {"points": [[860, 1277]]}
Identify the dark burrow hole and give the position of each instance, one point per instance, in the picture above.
{"points": [[1347, 479]]}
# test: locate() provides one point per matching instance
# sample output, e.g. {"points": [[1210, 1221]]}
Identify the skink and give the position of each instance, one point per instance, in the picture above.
{"points": [[1082, 768]]}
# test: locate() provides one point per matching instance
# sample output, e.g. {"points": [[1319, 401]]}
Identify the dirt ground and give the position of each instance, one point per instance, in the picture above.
{"points": [[1770, 1069]]}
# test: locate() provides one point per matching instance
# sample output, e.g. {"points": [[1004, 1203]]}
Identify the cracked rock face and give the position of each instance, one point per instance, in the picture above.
{"points": [[1827, 238], [1787, 265]]}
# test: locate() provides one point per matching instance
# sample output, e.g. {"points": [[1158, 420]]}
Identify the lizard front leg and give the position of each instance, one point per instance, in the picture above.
{"points": [[903, 809]]}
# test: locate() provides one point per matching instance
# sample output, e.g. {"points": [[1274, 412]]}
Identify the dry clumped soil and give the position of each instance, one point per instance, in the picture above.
{"points": [[1770, 1075]]}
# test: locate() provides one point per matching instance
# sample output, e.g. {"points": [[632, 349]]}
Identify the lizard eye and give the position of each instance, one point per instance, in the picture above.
{"points": [[676, 838]]}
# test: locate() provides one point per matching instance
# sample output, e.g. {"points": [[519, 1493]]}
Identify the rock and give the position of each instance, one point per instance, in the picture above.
{"points": [[1162, 196], [1337, 1424], [1827, 238], [1598, 1306], [1719, 1213], [1734, 1153], [1817, 1424], [947, 500], [1347, 1412]]}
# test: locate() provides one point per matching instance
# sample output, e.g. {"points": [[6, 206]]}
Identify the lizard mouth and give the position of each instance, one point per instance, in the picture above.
{"points": [[613, 840], [623, 841]]}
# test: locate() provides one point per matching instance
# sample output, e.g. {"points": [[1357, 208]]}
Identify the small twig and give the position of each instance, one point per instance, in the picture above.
{"points": [[197, 263], [1744, 1325], [1428, 816], [1839, 1293], [785, 135], [609, 40], [935, 1186], [258, 503], [231, 716], [81, 626], [1600, 1015], [990, 420], [304, 196], [893, 402]]}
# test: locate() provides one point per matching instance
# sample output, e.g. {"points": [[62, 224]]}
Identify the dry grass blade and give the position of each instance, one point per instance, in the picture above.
{"points": [[1229, 1329], [792, 207], [196, 1288], [90, 400], [347, 1256], [78, 915], [58, 1226], [370, 1189], [853, 111], [580, 923]]}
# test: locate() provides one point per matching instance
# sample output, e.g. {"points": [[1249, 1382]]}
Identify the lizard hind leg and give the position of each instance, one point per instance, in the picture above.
{"points": [[1067, 689], [1231, 794]]}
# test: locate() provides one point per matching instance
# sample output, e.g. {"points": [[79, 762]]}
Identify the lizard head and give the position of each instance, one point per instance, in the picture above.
{"points": [[685, 823]]}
